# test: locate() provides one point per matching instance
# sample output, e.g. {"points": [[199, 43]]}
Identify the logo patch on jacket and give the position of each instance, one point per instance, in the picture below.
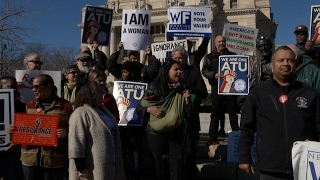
{"points": [[302, 102]]}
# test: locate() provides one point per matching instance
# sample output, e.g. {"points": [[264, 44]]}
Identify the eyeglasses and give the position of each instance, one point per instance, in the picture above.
{"points": [[36, 62], [37, 86], [73, 72]]}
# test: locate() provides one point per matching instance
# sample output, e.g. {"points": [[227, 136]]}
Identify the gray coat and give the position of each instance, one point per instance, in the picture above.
{"points": [[90, 138]]}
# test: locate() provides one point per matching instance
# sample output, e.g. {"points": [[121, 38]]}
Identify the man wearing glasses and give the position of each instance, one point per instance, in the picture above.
{"points": [[305, 45], [32, 62], [84, 63]]}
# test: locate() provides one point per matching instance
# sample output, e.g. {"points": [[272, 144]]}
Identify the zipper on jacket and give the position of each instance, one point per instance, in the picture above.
{"points": [[288, 161], [274, 102]]}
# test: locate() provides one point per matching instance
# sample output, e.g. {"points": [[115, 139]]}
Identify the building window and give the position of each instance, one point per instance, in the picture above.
{"points": [[163, 29], [233, 4], [236, 23], [158, 29], [152, 30]]}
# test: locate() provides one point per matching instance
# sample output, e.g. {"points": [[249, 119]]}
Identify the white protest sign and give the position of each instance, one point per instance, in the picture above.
{"points": [[239, 39], [135, 32], [189, 22], [163, 50], [26, 77], [6, 115]]}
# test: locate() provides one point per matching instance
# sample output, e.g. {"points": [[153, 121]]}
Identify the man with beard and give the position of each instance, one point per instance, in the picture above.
{"points": [[210, 71], [99, 58], [84, 64]]}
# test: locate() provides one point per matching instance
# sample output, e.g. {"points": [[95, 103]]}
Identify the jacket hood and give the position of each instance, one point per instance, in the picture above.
{"points": [[305, 60]]}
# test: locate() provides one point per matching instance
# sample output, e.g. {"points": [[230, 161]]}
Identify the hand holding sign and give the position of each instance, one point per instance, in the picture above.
{"points": [[228, 79], [93, 30]]}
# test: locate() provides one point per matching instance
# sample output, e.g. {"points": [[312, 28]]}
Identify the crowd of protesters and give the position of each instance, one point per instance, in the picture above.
{"points": [[92, 146]]}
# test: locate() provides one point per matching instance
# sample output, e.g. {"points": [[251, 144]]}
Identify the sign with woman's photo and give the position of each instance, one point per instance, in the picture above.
{"points": [[128, 95], [234, 70]]}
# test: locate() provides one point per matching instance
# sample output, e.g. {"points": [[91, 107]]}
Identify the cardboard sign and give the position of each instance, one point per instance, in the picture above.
{"points": [[314, 29], [26, 77], [239, 39], [128, 95], [189, 22], [35, 129], [135, 32], [97, 25], [235, 70], [233, 153], [6, 115], [163, 50]]}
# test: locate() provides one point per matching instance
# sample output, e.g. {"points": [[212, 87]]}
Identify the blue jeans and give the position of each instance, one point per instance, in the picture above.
{"points": [[41, 173]]}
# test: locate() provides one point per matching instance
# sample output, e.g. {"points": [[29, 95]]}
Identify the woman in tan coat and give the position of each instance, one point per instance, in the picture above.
{"points": [[94, 141]]}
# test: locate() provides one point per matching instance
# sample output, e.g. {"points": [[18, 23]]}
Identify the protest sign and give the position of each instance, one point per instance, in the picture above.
{"points": [[26, 78], [6, 115], [97, 25], [235, 70], [128, 95], [189, 22], [233, 152], [241, 40], [135, 32], [163, 50], [35, 129], [314, 34]]}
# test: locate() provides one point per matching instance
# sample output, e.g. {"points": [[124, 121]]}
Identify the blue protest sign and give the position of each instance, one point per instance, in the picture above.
{"points": [[128, 95], [234, 70], [189, 22], [97, 25], [315, 24]]}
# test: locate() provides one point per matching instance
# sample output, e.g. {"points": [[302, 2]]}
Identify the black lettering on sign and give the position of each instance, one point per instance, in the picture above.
{"points": [[1, 110], [142, 19]]}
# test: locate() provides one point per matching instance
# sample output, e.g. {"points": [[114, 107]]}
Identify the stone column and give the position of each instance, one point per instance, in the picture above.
{"points": [[113, 44], [106, 50], [142, 52]]}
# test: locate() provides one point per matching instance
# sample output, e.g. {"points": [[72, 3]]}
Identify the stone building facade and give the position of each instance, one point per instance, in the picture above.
{"points": [[250, 13]]}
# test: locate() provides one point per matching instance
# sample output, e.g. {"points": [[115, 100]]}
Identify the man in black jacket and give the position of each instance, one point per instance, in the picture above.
{"points": [[99, 59], [196, 56], [281, 111], [210, 70], [193, 82], [148, 73]]}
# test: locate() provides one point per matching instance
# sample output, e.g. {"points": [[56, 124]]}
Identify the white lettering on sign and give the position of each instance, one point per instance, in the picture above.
{"points": [[235, 65]]}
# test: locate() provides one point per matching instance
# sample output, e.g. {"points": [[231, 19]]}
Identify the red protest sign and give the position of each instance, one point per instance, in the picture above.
{"points": [[35, 129]]}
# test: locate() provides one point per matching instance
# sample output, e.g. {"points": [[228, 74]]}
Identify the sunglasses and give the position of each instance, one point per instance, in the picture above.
{"points": [[37, 86], [84, 60], [36, 62]]}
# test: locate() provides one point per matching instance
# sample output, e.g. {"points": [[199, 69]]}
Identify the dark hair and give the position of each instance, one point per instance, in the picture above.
{"points": [[282, 48], [134, 53], [66, 70], [47, 80], [89, 93], [163, 77], [3, 79], [134, 67]]}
